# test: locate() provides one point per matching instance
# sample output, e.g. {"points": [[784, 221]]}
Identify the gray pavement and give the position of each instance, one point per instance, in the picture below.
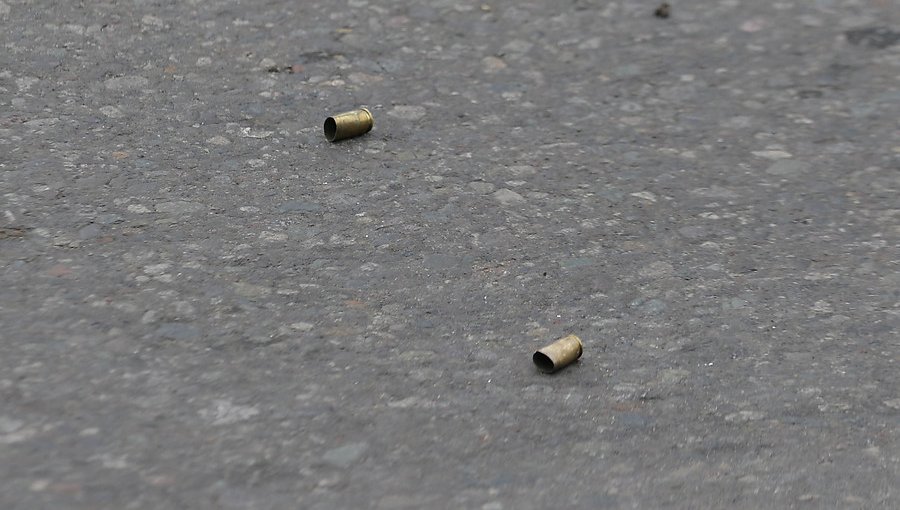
{"points": [[203, 304]]}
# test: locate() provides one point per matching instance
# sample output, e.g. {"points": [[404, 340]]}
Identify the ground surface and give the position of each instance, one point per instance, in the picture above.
{"points": [[206, 305]]}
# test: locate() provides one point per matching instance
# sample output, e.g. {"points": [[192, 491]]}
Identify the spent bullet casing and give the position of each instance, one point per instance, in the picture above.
{"points": [[348, 124], [558, 354]]}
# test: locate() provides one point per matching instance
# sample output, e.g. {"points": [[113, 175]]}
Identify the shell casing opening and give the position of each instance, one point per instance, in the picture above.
{"points": [[348, 124], [559, 354]]}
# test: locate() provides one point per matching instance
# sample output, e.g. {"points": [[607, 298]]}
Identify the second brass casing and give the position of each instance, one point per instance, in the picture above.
{"points": [[348, 124], [558, 354]]}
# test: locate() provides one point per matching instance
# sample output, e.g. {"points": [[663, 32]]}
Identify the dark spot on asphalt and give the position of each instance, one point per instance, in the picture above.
{"points": [[877, 38], [663, 11], [809, 94]]}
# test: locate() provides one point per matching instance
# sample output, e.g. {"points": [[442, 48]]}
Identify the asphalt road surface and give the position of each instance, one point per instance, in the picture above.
{"points": [[204, 304]]}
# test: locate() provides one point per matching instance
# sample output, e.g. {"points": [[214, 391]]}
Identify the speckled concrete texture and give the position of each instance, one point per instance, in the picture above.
{"points": [[204, 304]]}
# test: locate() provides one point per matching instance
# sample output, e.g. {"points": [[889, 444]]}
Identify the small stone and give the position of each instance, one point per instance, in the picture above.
{"points": [[633, 420], [521, 170], [152, 21], [179, 207], [255, 133], [654, 306], [111, 112], [576, 262], [89, 232], [594, 43], [407, 112], [508, 197], [149, 317], [345, 456], [302, 326], [223, 412], [184, 309], [657, 269], [822, 307], [788, 168], [418, 357], [411, 403], [41, 123], [753, 25], [425, 374], [39, 485], [108, 219], [9, 425], [715, 191], [773, 154], [24, 83], [734, 304], [272, 237], [645, 195], [219, 140], [126, 82], [363, 78], [299, 206], [672, 376], [59, 270], [156, 269], [517, 46], [177, 331], [873, 451], [744, 416], [249, 290], [481, 187], [693, 232], [492, 64], [893, 403]]}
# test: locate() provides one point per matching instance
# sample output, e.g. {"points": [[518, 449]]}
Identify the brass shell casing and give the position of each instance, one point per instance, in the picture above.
{"points": [[558, 354], [348, 124]]}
